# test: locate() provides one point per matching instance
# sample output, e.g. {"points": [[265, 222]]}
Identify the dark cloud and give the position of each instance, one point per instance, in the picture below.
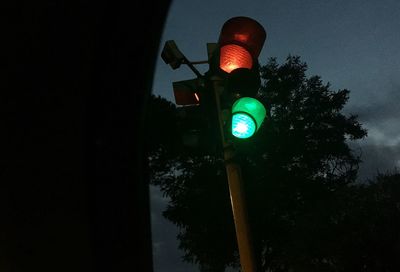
{"points": [[381, 110], [377, 159], [380, 117]]}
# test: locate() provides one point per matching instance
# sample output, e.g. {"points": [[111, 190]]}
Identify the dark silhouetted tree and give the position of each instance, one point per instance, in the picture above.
{"points": [[369, 228], [296, 169]]}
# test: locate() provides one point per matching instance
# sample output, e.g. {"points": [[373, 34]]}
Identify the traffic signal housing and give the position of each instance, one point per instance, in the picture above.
{"points": [[196, 116], [247, 116], [240, 43], [187, 92]]}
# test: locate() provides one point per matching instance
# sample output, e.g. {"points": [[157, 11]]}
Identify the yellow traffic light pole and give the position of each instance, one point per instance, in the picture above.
{"points": [[235, 181]]}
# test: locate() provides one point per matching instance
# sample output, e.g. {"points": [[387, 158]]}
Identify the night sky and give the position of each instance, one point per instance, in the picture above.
{"points": [[351, 44]]}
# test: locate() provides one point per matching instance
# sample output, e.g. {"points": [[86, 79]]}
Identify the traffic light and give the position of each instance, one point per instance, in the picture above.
{"points": [[227, 90], [240, 43], [234, 62], [187, 98], [247, 116], [195, 110], [193, 114]]}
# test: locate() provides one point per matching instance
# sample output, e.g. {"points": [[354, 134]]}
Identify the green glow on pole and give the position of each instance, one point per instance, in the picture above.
{"points": [[247, 116]]}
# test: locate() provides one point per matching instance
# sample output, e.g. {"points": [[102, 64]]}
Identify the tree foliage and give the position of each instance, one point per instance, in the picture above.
{"points": [[299, 175]]}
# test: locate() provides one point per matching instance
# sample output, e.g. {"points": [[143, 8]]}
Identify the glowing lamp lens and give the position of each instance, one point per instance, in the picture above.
{"points": [[247, 116], [233, 56], [243, 126]]}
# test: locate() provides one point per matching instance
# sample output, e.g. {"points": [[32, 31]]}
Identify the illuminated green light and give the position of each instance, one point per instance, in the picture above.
{"points": [[243, 126], [247, 116]]}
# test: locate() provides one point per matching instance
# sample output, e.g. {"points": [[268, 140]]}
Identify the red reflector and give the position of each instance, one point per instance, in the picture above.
{"points": [[233, 56]]}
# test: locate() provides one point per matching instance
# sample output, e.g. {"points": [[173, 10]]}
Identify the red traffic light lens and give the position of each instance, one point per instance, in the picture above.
{"points": [[243, 31], [233, 56]]}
